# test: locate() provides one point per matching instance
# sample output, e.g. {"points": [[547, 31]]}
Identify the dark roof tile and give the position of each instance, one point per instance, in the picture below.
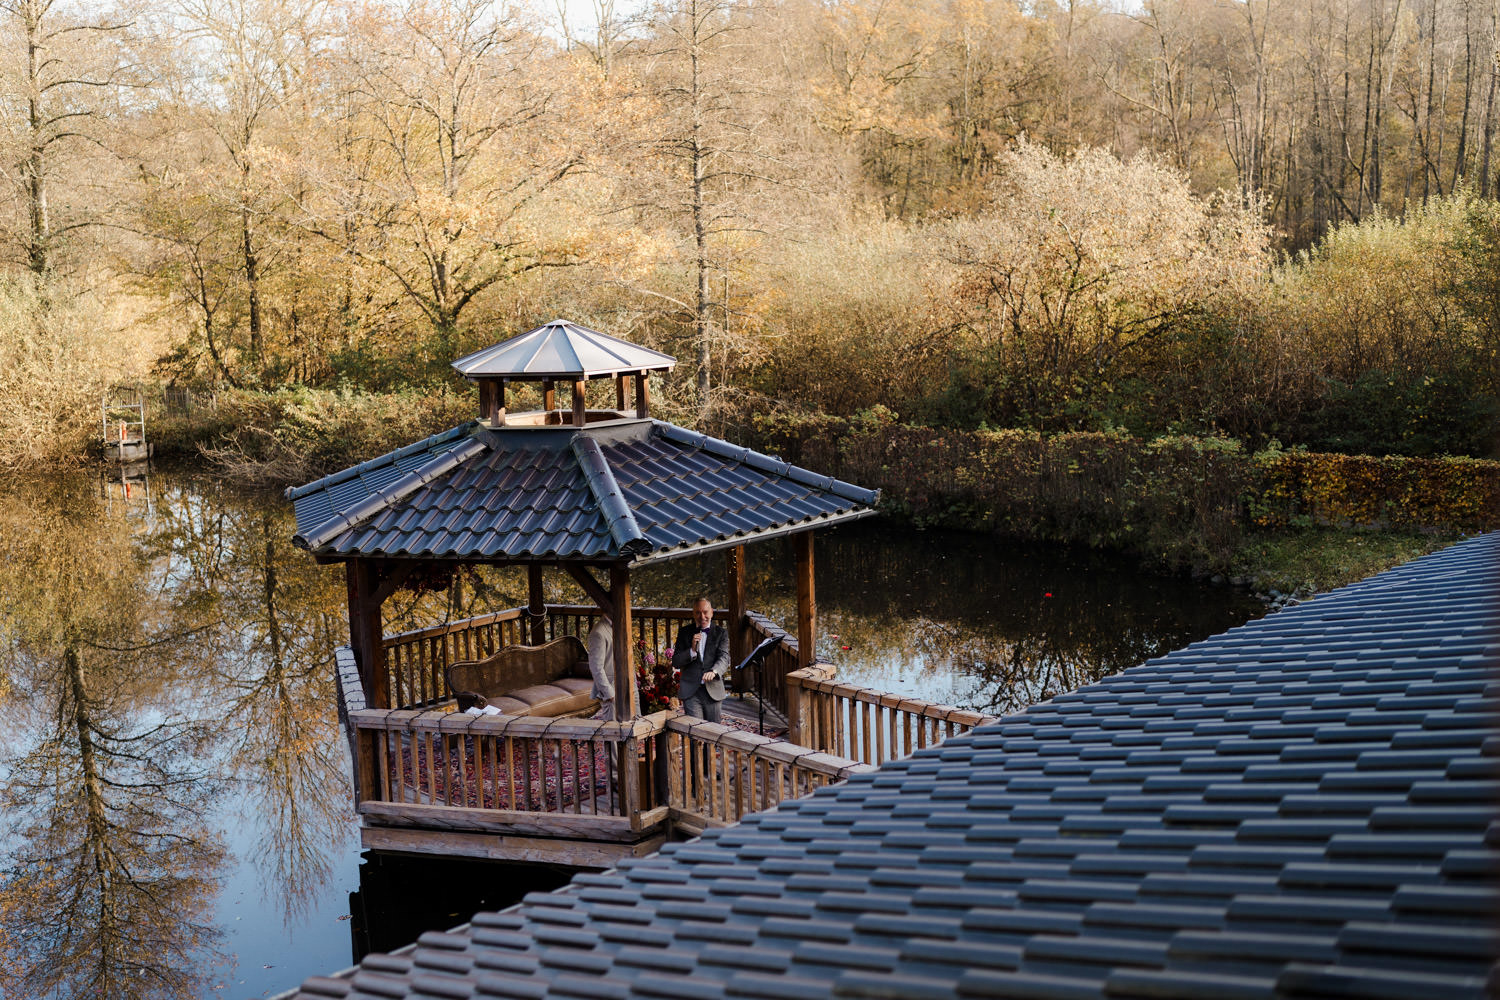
{"points": [[525, 493]]}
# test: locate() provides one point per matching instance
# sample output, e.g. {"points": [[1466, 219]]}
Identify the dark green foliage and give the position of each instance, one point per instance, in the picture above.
{"points": [[1406, 412], [1185, 501]]}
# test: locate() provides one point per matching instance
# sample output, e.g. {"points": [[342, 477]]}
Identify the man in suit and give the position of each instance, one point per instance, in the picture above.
{"points": [[701, 656]]}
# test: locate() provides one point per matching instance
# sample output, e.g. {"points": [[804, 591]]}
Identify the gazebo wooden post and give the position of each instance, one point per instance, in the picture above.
{"points": [[487, 399], [642, 396], [549, 395], [807, 602], [619, 392], [365, 634], [536, 608], [627, 703], [734, 565], [580, 402]]}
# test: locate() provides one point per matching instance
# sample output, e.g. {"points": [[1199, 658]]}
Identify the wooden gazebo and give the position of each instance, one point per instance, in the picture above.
{"points": [[583, 489], [595, 492]]}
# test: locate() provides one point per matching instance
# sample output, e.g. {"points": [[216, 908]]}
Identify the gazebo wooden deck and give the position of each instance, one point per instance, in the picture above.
{"points": [[582, 490], [586, 792]]}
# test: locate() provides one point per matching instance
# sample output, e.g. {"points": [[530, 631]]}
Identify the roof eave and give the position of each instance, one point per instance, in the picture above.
{"points": [[795, 528]]}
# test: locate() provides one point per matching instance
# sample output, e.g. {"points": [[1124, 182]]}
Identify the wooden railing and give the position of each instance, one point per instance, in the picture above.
{"points": [[716, 774], [655, 629], [506, 774], [865, 724], [426, 767], [566, 778], [415, 661]]}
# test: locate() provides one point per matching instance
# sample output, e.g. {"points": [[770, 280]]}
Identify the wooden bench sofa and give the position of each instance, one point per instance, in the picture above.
{"points": [[548, 680]]}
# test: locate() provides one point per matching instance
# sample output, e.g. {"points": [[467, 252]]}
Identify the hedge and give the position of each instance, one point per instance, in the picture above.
{"points": [[1301, 488], [1187, 499]]}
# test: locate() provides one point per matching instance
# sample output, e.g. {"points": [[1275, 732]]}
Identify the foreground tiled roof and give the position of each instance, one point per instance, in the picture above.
{"points": [[637, 489], [1301, 807]]}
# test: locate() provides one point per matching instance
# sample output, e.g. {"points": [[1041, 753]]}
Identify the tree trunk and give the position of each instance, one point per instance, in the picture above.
{"points": [[1488, 142], [701, 304], [252, 286], [38, 254]]}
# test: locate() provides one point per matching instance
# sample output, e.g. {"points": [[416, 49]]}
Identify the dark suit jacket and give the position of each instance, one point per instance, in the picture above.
{"points": [[715, 658]]}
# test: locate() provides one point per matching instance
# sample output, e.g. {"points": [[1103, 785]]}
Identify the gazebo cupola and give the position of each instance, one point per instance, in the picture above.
{"points": [[564, 352]]}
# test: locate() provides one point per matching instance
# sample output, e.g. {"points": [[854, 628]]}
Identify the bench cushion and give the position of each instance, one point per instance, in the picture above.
{"points": [[550, 699], [547, 680]]}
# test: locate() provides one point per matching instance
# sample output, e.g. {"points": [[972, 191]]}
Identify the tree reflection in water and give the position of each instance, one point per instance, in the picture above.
{"points": [[110, 873], [267, 675]]}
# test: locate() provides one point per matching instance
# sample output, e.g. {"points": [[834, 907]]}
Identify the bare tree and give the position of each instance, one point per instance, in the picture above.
{"points": [[248, 108], [717, 143], [609, 31], [457, 141], [61, 71]]}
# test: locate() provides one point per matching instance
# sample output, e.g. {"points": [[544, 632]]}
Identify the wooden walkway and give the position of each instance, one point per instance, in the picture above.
{"points": [[744, 712]]}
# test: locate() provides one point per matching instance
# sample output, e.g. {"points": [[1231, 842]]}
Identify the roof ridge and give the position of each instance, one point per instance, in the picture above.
{"points": [[418, 477], [623, 527], [766, 463], [296, 492]]}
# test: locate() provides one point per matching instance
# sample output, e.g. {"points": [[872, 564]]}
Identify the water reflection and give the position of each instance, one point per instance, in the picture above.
{"points": [[401, 898], [969, 620], [270, 680], [110, 870], [171, 748]]}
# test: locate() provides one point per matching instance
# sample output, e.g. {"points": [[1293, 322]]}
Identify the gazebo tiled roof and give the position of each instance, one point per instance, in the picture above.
{"points": [[633, 489], [1305, 806]]}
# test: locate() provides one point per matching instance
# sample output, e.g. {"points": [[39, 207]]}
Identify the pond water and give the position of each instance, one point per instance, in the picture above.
{"points": [[177, 817]]}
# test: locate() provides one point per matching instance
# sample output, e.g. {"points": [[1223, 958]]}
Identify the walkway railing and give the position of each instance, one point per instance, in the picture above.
{"points": [[866, 724], [716, 774], [424, 767]]}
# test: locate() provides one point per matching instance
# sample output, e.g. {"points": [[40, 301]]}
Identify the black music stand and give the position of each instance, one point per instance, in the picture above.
{"points": [[757, 658]]}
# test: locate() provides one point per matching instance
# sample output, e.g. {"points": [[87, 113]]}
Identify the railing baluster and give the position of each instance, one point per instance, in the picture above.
{"points": [[462, 743], [523, 752], [510, 773]]}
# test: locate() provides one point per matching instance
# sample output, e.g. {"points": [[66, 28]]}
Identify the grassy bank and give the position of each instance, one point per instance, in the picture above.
{"points": [[1301, 562]]}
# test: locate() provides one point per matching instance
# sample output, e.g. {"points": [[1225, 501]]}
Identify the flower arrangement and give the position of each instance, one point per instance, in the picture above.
{"points": [[655, 678]]}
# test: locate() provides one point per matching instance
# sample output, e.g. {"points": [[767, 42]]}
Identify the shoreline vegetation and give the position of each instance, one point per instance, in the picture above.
{"points": [[1285, 523]]}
